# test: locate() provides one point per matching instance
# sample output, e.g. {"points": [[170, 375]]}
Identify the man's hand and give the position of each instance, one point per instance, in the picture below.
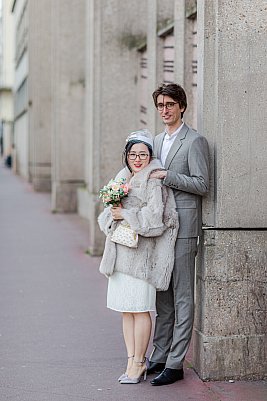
{"points": [[116, 213], [158, 174]]}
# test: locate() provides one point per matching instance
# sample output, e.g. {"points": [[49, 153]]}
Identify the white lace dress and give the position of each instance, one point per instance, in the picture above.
{"points": [[130, 294]]}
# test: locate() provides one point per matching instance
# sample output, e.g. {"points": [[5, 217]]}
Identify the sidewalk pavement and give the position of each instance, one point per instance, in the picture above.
{"points": [[58, 342]]}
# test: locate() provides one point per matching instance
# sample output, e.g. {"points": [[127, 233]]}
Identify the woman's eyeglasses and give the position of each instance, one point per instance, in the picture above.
{"points": [[168, 105], [133, 156]]}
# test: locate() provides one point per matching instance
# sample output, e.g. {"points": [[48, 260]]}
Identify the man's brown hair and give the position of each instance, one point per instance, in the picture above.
{"points": [[176, 92]]}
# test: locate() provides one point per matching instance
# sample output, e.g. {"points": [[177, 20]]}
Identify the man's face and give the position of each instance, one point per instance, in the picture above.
{"points": [[172, 116]]}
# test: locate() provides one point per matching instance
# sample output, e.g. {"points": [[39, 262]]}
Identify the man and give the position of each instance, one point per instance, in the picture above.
{"points": [[184, 154]]}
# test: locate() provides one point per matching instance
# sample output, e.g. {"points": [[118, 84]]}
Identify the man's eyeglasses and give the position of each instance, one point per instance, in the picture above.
{"points": [[133, 156], [168, 105]]}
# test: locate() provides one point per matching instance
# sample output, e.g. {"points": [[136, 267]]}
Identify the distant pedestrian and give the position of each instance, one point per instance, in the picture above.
{"points": [[8, 161], [136, 273]]}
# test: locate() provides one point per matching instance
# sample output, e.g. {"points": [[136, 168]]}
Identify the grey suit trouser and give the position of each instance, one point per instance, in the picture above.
{"points": [[175, 308]]}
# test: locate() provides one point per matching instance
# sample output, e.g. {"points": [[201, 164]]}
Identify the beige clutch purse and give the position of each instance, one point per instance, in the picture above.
{"points": [[124, 235]]}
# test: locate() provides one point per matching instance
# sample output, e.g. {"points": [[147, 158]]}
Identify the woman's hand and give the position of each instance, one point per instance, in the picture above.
{"points": [[116, 213]]}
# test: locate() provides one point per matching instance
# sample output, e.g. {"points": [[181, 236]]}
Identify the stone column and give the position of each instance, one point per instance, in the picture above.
{"points": [[230, 324], [93, 133], [68, 82], [114, 31], [39, 80]]}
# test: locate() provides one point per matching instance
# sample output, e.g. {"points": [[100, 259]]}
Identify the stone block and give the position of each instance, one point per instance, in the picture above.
{"points": [[42, 183], [96, 237], [64, 197], [234, 357], [231, 310]]}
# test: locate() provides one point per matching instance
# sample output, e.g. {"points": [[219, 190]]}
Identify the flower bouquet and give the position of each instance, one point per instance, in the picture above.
{"points": [[113, 192]]}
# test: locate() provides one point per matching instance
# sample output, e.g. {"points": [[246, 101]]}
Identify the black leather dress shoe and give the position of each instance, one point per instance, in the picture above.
{"points": [[168, 376], [155, 367]]}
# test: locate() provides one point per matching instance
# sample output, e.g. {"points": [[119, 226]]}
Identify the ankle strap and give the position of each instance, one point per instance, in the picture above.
{"points": [[140, 362], [129, 357]]}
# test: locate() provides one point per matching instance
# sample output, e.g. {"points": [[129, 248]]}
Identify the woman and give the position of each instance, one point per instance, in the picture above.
{"points": [[136, 273]]}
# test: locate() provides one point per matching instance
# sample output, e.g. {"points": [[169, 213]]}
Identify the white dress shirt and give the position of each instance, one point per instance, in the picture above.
{"points": [[167, 143]]}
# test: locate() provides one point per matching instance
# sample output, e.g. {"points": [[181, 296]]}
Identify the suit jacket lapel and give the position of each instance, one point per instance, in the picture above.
{"points": [[176, 145]]}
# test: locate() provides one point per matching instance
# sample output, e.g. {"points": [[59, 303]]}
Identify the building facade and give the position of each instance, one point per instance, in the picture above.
{"points": [[32, 91], [6, 79]]}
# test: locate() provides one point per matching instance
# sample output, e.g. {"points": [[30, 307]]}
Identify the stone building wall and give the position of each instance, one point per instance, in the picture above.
{"points": [[230, 329]]}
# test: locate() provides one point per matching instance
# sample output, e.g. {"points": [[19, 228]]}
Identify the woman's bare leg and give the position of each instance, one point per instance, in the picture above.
{"points": [[142, 332], [128, 334]]}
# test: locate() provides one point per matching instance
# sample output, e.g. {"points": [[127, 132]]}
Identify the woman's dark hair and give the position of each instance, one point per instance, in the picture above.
{"points": [[176, 92], [127, 149]]}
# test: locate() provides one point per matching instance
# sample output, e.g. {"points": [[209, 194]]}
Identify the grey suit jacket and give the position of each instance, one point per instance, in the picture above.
{"points": [[187, 166]]}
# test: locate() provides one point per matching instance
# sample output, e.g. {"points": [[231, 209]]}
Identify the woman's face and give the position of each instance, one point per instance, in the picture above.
{"points": [[138, 157]]}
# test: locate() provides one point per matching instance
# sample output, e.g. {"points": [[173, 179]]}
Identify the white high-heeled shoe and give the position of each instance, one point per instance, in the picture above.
{"points": [[124, 375], [135, 380]]}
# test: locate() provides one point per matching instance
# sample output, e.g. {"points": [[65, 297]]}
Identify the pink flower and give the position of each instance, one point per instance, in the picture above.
{"points": [[125, 188]]}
